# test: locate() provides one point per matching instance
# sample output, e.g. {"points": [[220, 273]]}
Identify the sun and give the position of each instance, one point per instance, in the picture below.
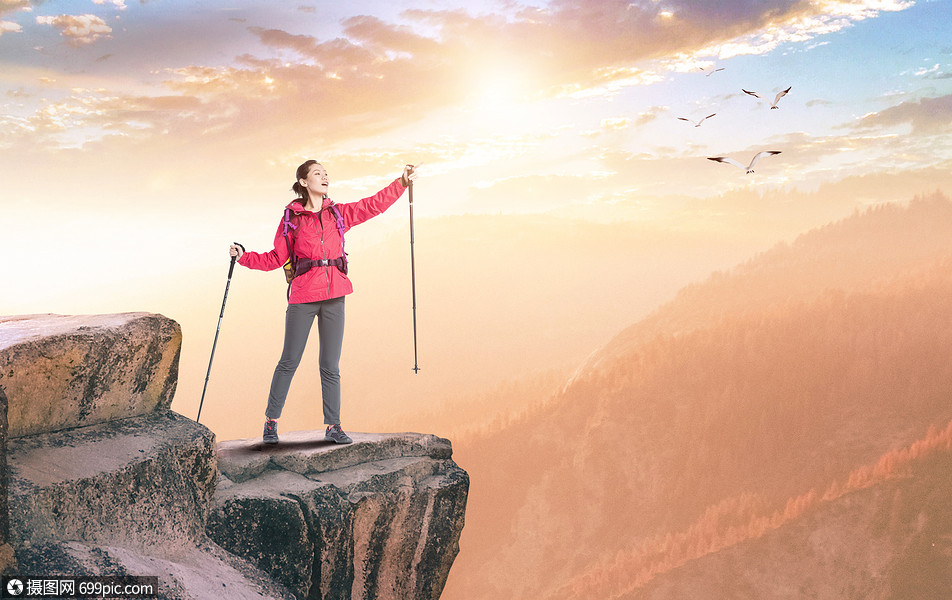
{"points": [[498, 89]]}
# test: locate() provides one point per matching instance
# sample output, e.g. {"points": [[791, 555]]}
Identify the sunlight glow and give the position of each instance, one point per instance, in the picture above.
{"points": [[497, 89]]}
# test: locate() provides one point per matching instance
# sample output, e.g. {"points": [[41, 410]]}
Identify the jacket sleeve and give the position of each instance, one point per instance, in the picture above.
{"points": [[268, 261], [355, 213]]}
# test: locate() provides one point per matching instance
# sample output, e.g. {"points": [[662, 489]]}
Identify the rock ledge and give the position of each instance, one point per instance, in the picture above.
{"points": [[379, 518]]}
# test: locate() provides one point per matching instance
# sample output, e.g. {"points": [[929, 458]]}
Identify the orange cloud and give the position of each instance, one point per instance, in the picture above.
{"points": [[8, 6], [926, 116], [301, 92], [78, 29], [378, 75]]}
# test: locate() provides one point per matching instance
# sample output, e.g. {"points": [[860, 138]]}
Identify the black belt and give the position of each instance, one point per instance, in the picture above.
{"points": [[304, 264]]}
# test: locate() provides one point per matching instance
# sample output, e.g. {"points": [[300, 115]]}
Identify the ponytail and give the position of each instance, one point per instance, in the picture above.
{"points": [[301, 173]]}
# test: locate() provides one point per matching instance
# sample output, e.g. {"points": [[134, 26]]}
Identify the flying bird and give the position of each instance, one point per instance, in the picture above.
{"points": [[712, 72], [698, 124], [749, 168], [773, 104]]}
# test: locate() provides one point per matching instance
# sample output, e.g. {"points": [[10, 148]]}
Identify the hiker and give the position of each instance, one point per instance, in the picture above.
{"points": [[309, 244]]}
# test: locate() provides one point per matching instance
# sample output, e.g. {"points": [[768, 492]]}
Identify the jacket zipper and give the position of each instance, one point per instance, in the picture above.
{"points": [[327, 275]]}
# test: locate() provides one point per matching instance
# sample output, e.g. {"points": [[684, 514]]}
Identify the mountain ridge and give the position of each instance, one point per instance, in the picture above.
{"points": [[708, 536], [924, 215], [759, 398]]}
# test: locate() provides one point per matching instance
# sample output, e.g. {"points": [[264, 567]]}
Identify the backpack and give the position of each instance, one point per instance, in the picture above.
{"points": [[290, 266]]}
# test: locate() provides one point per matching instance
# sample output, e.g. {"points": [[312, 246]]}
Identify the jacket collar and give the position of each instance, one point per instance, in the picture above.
{"points": [[297, 205]]}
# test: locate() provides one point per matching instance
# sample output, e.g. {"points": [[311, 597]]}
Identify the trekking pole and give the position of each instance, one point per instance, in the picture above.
{"points": [[416, 368], [231, 269]]}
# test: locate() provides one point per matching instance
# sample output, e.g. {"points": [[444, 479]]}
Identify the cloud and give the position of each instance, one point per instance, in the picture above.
{"points": [[377, 75], [566, 49], [616, 124], [304, 45], [650, 115], [935, 72], [609, 125], [808, 158], [9, 27], [78, 29], [927, 116], [805, 160], [10, 127], [120, 4], [8, 6], [778, 23], [586, 47]]}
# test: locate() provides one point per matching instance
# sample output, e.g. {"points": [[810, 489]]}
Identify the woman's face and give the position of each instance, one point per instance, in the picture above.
{"points": [[316, 181]]}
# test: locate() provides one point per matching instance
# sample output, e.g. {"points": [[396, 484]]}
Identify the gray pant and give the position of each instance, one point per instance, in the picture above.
{"points": [[330, 330]]}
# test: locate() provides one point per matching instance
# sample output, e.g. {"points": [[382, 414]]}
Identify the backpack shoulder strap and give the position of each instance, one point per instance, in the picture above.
{"points": [[340, 224], [291, 263], [287, 221]]}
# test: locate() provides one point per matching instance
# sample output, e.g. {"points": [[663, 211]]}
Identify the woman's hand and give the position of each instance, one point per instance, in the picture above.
{"points": [[409, 174], [236, 250]]}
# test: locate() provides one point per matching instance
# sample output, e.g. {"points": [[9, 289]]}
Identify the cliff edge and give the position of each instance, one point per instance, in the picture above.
{"points": [[102, 478], [379, 518]]}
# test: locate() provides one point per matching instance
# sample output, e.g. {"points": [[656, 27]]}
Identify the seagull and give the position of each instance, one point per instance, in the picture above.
{"points": [[749, 168], [712, 72], [698, 124], [772, 104]]}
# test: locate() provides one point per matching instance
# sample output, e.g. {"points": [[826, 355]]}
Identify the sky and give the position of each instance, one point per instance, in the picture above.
{"points": [[183, 112], [138, 138]]}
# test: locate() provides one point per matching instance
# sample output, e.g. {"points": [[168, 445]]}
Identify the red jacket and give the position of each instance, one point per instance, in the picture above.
{"points": [[317, 236]]}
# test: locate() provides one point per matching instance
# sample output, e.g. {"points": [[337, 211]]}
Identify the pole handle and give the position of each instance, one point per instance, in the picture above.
{"points": [[231, 268]]}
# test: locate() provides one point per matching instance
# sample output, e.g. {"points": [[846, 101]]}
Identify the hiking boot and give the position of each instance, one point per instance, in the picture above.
{"points": [[270, 432], [337, 435]]}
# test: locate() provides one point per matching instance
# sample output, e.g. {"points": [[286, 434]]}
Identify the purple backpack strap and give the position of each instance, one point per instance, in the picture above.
{"points": [[288, 224], [287, 221], [340, 224], [340, 228], [292, 260]]}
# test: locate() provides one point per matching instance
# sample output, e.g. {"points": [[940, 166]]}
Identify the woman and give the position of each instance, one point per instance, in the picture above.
{"points": [[315, 239]]}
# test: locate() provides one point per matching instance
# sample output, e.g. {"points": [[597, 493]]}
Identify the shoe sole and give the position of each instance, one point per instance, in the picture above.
{"points": [[270, 442], [330, 439]]}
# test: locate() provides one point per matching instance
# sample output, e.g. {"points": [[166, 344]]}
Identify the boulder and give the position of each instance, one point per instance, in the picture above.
{"points": [[139, 482], [128, 497], [379, 518], [61, 371]]}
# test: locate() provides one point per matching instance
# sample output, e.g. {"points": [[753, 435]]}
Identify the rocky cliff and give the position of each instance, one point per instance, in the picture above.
{"points": [[104, 479], [380, 518]]}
